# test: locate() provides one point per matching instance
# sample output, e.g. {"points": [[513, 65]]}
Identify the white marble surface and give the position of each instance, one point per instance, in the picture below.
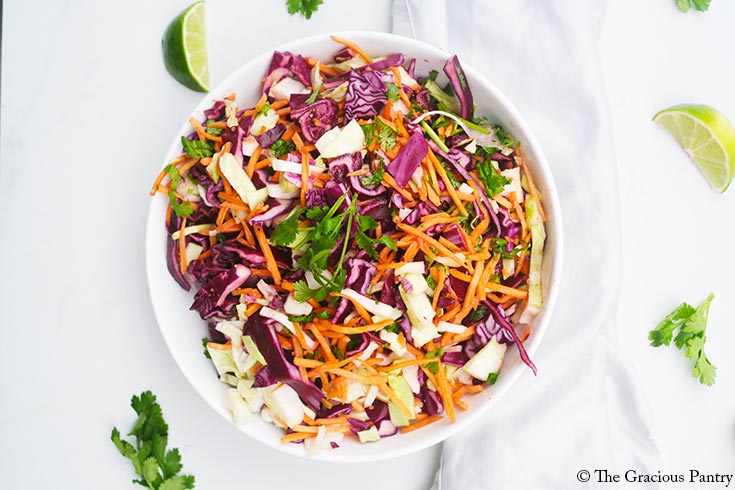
{"points": [[87, 112]]}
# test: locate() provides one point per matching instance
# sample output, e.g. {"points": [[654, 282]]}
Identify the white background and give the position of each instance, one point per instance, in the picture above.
{"points": [[87, 113]]}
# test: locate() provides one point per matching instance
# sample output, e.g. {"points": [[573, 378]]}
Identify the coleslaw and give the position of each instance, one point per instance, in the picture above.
{"points": [[363, 248]]}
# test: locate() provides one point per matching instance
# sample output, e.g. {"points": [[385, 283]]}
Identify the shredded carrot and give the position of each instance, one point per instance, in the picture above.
{"points": [[202, 132], [296, 138], [290, 131], [358, 307], [353, 47], [182, 246], [411, 362], [387, 391], [430, 241], [447, 183], [309, 363], [388, 179], [253, 160], [499, 288], [445, 392], [327, 351], [297, 436], [365, 328], [304, 177], [261, 103], [421, 423], [323, 68], [268, 254]]}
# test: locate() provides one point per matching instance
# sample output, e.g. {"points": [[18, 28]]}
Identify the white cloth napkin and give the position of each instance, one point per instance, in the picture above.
{"points": [[584, 411]]}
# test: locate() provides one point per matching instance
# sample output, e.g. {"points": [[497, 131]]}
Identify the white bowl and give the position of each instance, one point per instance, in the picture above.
{"points": [[182, 329]]}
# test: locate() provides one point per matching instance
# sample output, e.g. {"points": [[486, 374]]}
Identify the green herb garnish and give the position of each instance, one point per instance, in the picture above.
{"points": [[303, 7], [197, 148], [491, 177], [692, 324], [281, 147], [157, 467], [686, 5]]}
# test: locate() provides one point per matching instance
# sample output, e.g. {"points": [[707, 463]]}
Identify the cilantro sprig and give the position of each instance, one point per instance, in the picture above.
{"points": [[491, 177], [329, 226], [281, 147], [686, 5], [692, 325], [303, 7], [380, 132], [157, 467], [197, 148], [181, 208]]}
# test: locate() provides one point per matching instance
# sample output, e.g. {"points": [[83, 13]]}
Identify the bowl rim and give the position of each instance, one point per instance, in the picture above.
{"points": [[553, 227]]}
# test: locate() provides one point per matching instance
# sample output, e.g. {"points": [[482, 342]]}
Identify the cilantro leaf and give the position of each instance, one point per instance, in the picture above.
{"points": [[178, 482], [157, 468], [303, 7], [213, 131], [662, 334], [505, 139], [205, 341], [684, 5], [491, 178], [388, 242], [478, 313], [373, 179], [380, 132], [391, 91], [692, 325], [450, 175], [281, 147], [701, 5], [285, 232], [197, 148], [183, 208]]}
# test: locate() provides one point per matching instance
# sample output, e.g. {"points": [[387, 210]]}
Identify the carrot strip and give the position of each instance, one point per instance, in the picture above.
{"points": [[290, 131], [201, 132], [354, 47], [270, 261], [253, 160], [387, 391], [388, 179], [439, 286], [430, 241], [500, 288], [447, 183], [261, 103], [358, 307], [296, 436], [304, 177], [182, 246], [322, 342], [445, 392], [421, 423], [366, 328], [410, 362]]}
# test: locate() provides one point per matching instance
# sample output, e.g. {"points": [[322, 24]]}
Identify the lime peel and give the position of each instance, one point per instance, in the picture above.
{"points": [[707, 136], [184, 47]]}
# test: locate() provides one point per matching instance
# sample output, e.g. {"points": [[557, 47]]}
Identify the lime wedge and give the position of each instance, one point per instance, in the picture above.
{"points": [[707, 136], [185, 48]]}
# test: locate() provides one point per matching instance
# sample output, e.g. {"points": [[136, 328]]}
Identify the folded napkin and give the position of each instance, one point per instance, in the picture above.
{"points": [[584, 411]]}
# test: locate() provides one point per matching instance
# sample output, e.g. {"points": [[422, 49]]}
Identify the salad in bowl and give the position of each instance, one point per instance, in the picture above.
{"points": [[362, 244]]}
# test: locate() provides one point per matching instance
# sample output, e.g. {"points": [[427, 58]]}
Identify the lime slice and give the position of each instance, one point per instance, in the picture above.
{"points": [[185, 48], [707, 136]]}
